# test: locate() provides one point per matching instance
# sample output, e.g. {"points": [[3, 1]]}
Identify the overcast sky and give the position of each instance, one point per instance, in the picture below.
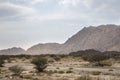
{"points": [[24, 23]]}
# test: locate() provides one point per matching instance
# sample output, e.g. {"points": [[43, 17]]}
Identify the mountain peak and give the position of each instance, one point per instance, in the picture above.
{"points": [[102, 38]]}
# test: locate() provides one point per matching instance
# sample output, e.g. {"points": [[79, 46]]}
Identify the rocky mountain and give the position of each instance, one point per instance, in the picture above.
{"points": [[102, 38], [47, 48], [12, 51]]}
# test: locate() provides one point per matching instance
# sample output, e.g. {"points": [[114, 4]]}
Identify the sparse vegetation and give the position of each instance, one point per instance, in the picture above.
{"points": [[2, 59], [95, 56], [1, 62], [57, 68], [69, 71], [50, 61], [40, 62], [16, 69], [111, 70], [61, 72], [96, 73], [71, 67], [104, 63]]}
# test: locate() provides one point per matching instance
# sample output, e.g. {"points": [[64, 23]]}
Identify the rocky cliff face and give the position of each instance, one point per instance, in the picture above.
{"points": [[12, 51]]}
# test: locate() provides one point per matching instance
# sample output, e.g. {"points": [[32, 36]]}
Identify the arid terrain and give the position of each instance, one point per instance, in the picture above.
{"points": [[59, 39], [59, 67]]}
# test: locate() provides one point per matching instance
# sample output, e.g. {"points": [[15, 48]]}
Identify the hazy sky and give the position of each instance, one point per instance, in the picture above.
{"points": [[24, 23]]}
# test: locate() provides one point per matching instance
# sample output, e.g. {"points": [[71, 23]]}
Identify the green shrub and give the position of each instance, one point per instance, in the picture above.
{"points": [[40, 62], [16, 69]]}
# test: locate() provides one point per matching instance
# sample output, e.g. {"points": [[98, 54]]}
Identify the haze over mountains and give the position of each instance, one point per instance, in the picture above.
{"points": [[102, 38], [12, 51]]}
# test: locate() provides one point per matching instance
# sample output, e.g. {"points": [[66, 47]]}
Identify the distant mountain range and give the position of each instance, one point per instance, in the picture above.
{"points": [[12, 51], [102, 38]]}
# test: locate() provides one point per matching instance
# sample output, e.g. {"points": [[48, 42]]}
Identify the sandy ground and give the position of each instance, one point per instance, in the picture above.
{"points": [[76, 65]]}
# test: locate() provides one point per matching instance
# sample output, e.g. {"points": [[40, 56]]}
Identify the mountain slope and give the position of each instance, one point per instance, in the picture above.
{"points": [[12, 51], [103, 38], [48, 48]]}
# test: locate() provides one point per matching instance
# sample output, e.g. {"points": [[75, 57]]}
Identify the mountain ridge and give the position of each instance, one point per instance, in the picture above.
{"points": [[102, 38], [12, 51]]}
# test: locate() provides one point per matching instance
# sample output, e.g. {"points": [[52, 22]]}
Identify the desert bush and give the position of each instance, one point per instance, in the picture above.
{"points": [[52, 55], [2, 59], [57, 68], [51, 61], [84, 77], [117, 57], [96, 73], [61, 72], [0, 71], [91, 55], [16, 69], [95, 57], [1, 62], [111, 70], [40, 62], [69, 71], [70, 68], [55, 71], [104, 63]]}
